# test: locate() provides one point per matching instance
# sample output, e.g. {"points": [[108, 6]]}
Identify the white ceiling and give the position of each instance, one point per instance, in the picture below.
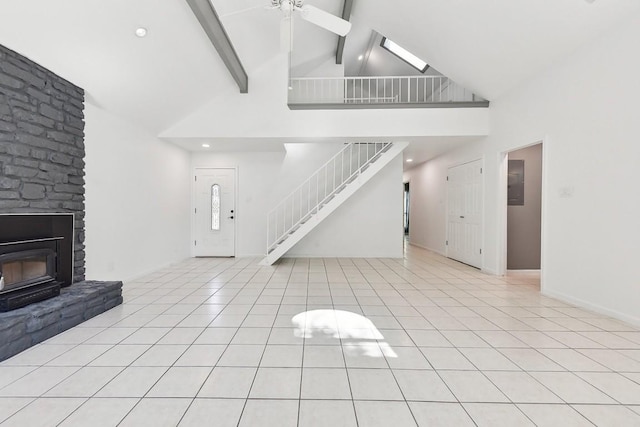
{"points": [[491, 46], [488, 46], [255, 32], [151, 81], [419, 150], [229, 145], [422, 149], [363, 56]]}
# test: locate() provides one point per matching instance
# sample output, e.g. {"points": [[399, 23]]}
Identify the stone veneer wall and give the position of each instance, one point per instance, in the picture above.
{"points": [[41, 144]]}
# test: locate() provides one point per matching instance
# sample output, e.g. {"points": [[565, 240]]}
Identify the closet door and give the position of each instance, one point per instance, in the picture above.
{"points": [[464, 213]]}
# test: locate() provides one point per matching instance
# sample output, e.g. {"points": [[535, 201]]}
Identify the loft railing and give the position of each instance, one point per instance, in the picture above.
{"points": [[410, 90], [307, 199]]}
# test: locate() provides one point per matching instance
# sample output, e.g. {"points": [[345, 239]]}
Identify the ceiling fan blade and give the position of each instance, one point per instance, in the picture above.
{"points": [[325, 20], [249, 9], [286, 30]]}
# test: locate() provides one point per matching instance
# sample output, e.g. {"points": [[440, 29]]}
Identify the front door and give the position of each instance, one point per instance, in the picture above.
{"points": [[464, 213], [215, 212]]}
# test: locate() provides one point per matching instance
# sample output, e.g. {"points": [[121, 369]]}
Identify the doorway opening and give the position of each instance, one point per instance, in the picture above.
{"points": [[524, 212], [406, 208]]}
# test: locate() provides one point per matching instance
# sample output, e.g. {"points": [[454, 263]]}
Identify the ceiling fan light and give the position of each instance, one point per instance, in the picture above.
{"points": [[286, 7]]}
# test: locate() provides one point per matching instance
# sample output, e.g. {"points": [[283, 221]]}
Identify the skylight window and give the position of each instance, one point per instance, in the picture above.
{"points": [[404, 54]]}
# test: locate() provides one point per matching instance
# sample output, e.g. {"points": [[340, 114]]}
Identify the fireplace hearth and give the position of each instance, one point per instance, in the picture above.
{"points": [[37, 287]]}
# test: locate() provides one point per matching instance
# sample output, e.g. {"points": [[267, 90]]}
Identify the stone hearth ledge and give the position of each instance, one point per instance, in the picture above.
{"points": [[28, 326]]}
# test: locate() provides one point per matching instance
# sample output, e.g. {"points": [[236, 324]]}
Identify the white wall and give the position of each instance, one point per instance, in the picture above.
{"points": [[369, 224], [300, 162], [362, 227], [263, 113], [590, 127], [328, 68], [137, 199], [257, 177]]}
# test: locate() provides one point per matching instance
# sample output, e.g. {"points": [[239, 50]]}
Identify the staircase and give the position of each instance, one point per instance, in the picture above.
{"points": [[323, 192]]}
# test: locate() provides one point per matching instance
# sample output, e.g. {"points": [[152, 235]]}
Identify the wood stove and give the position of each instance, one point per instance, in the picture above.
{"points": [[28, 272], [36, 258]]}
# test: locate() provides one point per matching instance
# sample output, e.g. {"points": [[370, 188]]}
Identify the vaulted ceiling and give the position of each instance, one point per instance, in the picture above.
{"points": [[490, 46]]}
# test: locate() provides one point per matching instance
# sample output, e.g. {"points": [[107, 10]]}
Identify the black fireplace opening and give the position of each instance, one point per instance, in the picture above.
{"points": [[21, 269], [36, 258], [28, 272]]}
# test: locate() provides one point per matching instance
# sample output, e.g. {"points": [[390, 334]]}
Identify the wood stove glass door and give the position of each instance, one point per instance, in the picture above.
{"points": [[215, 212]]}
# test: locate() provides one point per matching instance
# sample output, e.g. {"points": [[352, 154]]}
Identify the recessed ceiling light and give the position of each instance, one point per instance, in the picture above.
{"points": [[141, 32], [409, 160], [360, 58], [205, 146]]}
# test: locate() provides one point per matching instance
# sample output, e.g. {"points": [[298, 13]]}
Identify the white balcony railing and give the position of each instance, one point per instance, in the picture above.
{"points": [[380, 90]]}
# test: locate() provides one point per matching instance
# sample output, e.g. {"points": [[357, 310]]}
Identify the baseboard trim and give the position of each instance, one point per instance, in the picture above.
{"points": [[635, 321], [482, 269], [523, 272], [489, 271], [143, 273], [427, 248]]}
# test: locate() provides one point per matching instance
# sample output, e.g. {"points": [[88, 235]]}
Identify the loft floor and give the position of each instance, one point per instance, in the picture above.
{"points": [[330, 342]]}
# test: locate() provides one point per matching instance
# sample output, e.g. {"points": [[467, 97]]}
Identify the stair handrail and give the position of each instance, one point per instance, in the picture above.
{"points": [[383, 147]]}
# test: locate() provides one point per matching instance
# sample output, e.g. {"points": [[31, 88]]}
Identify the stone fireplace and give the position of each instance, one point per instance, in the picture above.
{"points": [[43, 291], [41, 154]]}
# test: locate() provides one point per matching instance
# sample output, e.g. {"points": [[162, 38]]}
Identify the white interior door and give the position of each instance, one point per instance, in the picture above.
{"points": [[215, 212], [464, 213]]}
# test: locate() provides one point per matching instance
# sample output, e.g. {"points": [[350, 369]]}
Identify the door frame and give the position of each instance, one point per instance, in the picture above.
{"points": [[482, 208], [194, 204], [408, 216], [503, 176]]}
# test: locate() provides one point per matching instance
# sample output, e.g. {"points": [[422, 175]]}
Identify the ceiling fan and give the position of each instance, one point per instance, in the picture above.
{"points": [[314, 15], [309, 13]]}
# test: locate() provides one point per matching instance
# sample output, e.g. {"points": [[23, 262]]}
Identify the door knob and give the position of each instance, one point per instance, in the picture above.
{"points": [[461, 216], [231, 217]]}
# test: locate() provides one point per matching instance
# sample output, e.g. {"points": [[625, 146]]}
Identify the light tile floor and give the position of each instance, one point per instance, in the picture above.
{"points": [[330, 342]]}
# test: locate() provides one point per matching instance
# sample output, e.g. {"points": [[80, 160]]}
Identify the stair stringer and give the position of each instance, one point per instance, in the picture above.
{"points": [[333, 204]]}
